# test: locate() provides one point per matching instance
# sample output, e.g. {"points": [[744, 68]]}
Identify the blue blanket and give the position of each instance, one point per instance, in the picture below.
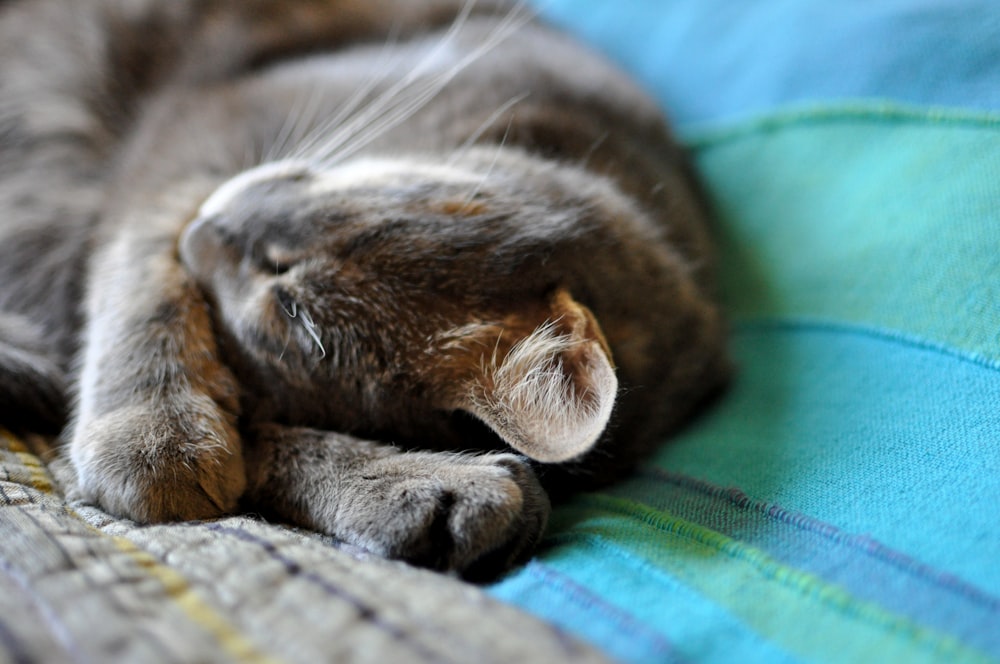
{"points": [[841, 502]]}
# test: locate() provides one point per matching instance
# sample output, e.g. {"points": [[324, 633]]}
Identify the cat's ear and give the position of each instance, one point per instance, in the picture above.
{"points": [[549, 386]]}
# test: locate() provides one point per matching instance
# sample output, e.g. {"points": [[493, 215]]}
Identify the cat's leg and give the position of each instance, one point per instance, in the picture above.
{"points": [[154, 436], [476, 514]]}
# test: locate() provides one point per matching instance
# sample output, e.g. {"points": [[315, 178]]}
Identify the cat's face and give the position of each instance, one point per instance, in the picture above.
{"points": [[379, 294]]}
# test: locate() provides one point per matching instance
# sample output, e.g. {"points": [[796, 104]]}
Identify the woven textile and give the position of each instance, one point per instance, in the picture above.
{"points": [[79, 586], [840, 503]]}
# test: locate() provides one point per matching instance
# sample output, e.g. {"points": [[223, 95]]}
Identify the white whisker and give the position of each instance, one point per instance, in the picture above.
{"points": [[585, 160], [308, 324], [376, 105], [288, 340], [303, 111], [481, 129], [489, 169], [312, 330], [411, 93], [308, 144]]}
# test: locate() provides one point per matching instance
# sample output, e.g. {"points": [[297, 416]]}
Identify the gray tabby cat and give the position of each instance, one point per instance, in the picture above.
{"points": [[379, 268]]}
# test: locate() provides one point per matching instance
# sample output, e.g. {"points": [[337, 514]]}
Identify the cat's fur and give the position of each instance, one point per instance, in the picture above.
{"points": [[251, 238]]}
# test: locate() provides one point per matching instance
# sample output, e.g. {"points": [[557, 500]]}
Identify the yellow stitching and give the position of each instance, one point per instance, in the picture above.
{"points": [[174, 584], [38, 476], [179, 590], [804, 583]]}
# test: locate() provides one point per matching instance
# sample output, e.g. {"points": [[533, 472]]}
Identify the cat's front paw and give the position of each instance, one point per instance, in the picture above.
{"points": [[476, 515], [160, 462]]}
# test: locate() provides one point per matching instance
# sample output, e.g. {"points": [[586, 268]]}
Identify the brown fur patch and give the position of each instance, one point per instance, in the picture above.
{"points": [[454, 208], [407, 272]]}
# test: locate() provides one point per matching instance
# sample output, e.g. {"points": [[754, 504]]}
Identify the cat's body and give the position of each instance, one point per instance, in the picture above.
{"points": [[254, 237]]}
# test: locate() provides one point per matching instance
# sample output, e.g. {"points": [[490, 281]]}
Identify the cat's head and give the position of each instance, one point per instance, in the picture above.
{"points": [[377, 295]]}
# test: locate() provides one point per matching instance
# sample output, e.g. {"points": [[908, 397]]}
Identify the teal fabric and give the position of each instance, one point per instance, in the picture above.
{"points": [[878, 216], [840, 503]]}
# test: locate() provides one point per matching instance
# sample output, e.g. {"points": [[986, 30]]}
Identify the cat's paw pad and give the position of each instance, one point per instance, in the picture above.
{"points": [[155, 463], [474, 515]]}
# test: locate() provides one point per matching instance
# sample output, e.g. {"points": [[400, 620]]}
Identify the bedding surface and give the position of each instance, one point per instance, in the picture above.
{"points": [[840, 503], [79, 586]]}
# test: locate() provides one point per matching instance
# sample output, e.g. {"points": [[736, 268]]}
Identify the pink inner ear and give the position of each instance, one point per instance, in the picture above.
{"points": [[551, 396]]}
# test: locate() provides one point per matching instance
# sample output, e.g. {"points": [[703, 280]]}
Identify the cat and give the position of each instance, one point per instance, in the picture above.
{"points": [[399, 271]]}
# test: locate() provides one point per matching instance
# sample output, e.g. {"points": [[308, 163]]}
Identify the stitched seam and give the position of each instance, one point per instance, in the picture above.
{"points": [[175, 587], [651, 570], [754, 324], [366, 611], [583, 597], [866, 546], [709, 134], [802, 583]]}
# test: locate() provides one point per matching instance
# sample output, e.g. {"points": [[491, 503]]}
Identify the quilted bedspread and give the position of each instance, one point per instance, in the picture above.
{"points": [[840, 503]]}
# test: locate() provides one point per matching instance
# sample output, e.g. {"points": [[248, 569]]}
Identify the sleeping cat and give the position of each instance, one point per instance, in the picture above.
{"points": [[380, 268]]}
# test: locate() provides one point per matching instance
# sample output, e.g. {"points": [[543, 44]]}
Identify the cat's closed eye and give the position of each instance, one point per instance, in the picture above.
{"points": [[300, 255], [270, 259]]}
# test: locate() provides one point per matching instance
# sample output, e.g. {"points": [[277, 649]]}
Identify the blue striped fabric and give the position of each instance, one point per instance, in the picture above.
{"points": [[840, 503]]}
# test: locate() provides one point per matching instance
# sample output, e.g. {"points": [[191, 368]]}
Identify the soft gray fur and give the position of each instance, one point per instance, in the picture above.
{"points": [[370, 266]]}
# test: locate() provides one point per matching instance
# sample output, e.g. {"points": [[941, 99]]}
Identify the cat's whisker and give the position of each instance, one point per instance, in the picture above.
{"points": [[308, 144], [304, 106], [585, 160], [312, 330], [437, 84], [369, 121], [303, 132], [392, 118], [308, 324], [305, 145], [462, 149], [288, 340], [489, 169], [389, 94], [348, 140]]}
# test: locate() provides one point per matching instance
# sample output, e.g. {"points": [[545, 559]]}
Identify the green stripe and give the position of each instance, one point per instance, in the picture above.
{"points": [[887, 218], [796, 610]]}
